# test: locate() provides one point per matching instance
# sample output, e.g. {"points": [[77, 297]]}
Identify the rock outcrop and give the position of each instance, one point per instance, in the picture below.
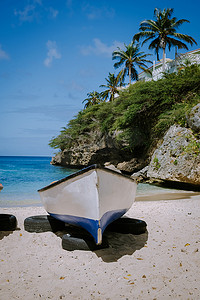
{"points": [[99, 149], [177, 158], [133, 165], [141, 175], [194, 118]]}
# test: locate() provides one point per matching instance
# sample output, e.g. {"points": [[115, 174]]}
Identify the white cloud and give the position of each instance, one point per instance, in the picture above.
{"points": [[52, 53], [93, 12], [53, 12], [99, 48], [3, 54], [35, 10], [27, 14]]}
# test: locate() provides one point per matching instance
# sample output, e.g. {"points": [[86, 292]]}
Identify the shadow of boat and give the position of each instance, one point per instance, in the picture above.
{"points": [[7, 233], [122, 237], [121, 244], [115, 244], [4, 234]]}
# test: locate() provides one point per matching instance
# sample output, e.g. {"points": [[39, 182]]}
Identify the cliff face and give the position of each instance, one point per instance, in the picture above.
{"points": [[97, 149], [176, 159], [194, 119]]}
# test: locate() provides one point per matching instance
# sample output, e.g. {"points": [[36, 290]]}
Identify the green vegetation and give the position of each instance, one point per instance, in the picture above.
{"points": [[193, 147], [145, 110], [175, 162], [156, 163], [140, 115]]}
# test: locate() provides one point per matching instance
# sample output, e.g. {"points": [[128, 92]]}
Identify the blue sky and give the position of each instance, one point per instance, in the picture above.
{"points": [[52, 53]]}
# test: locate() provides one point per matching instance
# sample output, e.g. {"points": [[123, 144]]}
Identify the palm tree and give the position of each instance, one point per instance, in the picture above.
{"points": [[93, 98], [131, 58], [163, 32], [112, 87]]}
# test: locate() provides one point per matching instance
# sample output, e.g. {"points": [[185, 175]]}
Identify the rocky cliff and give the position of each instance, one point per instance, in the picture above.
{"points": [[176, 158], [97, 149]]}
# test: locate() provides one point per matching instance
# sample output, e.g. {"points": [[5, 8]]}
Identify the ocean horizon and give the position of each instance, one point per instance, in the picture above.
{"points": [[22, 176]]}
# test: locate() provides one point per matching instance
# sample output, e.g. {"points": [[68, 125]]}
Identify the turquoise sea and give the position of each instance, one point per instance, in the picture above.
{"points": [[22, 176]]}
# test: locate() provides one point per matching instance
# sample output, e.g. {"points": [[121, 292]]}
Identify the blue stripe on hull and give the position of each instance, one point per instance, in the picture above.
{"points": [[91, 225]]}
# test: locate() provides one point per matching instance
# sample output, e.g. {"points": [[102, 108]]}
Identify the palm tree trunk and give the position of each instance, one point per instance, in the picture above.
{"points": [[129, 74], [163, 65]]}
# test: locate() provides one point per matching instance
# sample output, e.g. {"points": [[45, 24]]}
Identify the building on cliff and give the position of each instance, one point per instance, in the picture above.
{"points": [[181, 60]]}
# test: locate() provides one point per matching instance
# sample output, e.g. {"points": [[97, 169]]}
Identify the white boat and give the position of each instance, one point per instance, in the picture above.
{"points": [[91, 198]]}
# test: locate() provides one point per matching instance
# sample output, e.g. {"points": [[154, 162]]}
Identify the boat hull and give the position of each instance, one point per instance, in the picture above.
{"points": [[94, 227], [91, 198]]}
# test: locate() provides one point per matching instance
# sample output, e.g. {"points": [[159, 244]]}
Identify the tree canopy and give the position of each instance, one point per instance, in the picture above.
{"points": [[148, 108], [92, 99], [131, 58], [113, 82], [163, 32]]}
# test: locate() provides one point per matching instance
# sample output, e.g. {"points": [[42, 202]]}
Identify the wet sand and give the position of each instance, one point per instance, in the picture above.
{"points": [[167, 196]]}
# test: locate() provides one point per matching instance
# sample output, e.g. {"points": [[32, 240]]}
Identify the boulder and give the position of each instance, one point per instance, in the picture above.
{"points": [[177, 158], [141, 175], [193, 118], [111, 167], [133, 165]]}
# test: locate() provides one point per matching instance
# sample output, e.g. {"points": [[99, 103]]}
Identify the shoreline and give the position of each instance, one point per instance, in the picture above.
{"points": [[149, 195], [167, 196], [162, 263]]}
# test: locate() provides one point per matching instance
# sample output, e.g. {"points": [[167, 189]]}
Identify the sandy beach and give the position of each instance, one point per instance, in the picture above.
{"points": [[162, 263]]}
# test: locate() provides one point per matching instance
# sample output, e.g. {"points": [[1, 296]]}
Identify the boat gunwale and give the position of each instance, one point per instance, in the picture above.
{"points": [[82, 171]]}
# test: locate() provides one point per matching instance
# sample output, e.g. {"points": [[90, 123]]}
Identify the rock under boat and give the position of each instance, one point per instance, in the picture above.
{"points": [[91, 198]]}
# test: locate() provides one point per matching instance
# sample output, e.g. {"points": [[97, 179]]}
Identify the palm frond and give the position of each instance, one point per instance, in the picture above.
{"points": [[186, 38], [176, 43], [180, 22], [162, 31], [105, 94], [130, 58]]}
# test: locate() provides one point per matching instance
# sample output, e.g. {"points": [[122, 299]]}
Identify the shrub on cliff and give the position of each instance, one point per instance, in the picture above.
{"points": [[145, 110]]}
